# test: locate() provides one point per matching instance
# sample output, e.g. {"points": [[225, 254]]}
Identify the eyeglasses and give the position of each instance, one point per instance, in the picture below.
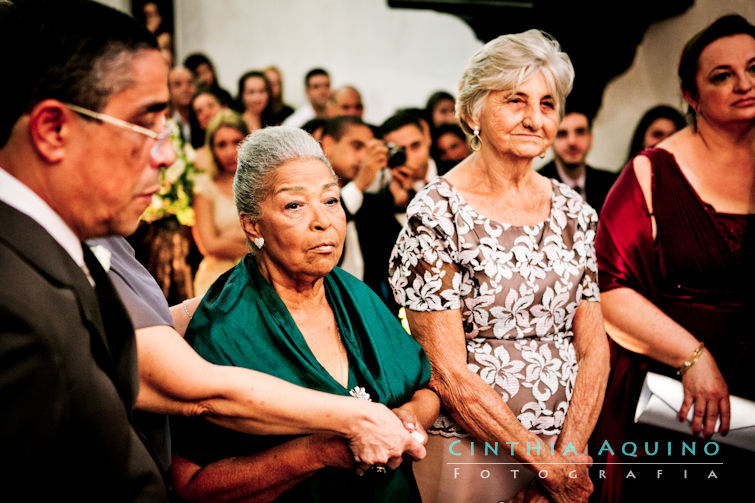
{"points": [[160, 137]]}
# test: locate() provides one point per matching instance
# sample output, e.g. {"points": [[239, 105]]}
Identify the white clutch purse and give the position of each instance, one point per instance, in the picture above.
{"points": [[661, 399]]}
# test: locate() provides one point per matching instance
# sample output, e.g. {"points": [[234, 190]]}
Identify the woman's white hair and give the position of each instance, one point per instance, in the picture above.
{"points": [[260, 154], [507, 61]]}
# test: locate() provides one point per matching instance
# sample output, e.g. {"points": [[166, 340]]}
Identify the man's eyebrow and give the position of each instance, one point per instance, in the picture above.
{"points": [[157, 107], [144, 111]]}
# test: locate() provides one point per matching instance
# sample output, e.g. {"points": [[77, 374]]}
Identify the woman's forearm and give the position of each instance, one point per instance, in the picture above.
{"points": [[586, 402], [425, 406], [591, 346], [638, 325], [262, 477], [480, 411], [470, 401], [230, 244], [182, 314], [174, 379], [273, 406]]}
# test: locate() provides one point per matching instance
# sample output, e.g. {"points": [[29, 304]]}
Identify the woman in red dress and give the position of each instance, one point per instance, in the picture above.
{"points": [[675, 256]]}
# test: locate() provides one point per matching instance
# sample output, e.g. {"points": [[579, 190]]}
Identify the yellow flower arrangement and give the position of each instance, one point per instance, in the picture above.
{"points": [[174, 199]]}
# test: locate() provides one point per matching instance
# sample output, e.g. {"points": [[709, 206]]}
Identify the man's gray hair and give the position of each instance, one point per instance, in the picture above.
{"points": [[261, 153], [505, 63]]}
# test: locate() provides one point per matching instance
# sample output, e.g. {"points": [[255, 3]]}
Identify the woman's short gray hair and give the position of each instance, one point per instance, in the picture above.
{"points": [[260, 154], [507, 61]]}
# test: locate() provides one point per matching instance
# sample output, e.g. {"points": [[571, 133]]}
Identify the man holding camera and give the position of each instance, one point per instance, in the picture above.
{"points": [[405, 131], [370, 198]]}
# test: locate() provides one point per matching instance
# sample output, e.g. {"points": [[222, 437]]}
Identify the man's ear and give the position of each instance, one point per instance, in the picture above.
{"points": [[327, 143], [426, 133], [49, 128]]}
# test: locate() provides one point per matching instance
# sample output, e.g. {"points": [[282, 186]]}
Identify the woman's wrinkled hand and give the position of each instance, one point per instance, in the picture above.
{"points": [[568, 481], [412, 425], [705, 388], [380, 438], [531, 493]]}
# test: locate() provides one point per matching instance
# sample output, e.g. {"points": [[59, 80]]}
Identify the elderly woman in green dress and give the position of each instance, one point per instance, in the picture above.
{"points": [[288, 311]]}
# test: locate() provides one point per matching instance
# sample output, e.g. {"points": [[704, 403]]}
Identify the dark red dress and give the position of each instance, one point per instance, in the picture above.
{"points": [[699, 271]]}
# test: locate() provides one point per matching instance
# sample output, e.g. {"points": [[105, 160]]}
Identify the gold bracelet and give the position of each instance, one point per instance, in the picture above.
{"points": [[692, 360], [186, 310]]}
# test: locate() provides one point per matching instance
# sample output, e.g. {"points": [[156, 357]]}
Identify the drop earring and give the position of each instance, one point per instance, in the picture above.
{"points": [[476, 143]]}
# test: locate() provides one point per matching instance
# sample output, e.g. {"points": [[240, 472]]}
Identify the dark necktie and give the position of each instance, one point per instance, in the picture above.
{"points": [[116, 352], [117, 349]]}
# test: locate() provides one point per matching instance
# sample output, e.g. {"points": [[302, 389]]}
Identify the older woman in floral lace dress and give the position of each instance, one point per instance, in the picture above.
{"points": [[497, 271]]}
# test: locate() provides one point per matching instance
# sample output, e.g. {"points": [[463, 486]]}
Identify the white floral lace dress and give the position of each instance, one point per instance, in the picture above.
{"points": [[518, 289]]}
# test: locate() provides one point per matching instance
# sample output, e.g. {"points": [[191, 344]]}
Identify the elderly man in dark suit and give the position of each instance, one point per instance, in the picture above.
{"points": [[82, 141], [570, 148]]}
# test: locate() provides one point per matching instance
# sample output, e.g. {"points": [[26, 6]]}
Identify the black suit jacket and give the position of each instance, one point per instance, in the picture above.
{"points": [[597, 183], [68, 378], [377, 230]]}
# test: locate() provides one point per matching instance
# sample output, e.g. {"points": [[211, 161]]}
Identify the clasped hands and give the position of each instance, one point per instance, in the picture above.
{"points": [[567, 482], [382, 442]]}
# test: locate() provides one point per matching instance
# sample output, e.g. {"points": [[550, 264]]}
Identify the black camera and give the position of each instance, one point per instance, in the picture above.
{"points": [[396, 155]]}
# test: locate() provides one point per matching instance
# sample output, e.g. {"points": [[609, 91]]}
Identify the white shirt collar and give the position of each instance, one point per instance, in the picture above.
{"points": [[179, 119], [430, 175], [17, 195], [432, 171], [579, 182]]}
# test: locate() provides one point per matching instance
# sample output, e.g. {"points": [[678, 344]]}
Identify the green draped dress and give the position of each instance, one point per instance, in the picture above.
{"points": [[243, 322]]}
